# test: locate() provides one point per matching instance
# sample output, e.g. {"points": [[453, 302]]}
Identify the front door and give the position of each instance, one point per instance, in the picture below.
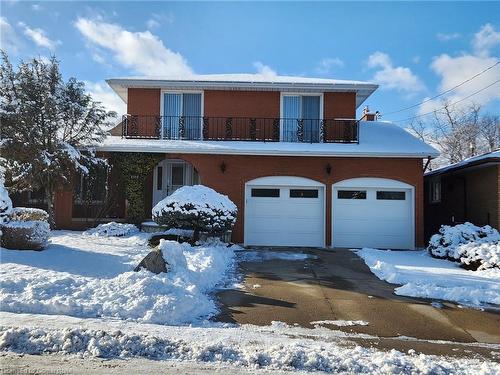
{"points": [[170, 175]]}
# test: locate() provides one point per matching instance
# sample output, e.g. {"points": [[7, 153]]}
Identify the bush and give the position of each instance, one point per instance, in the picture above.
{"points": [[198, 208], [113, 229], [25, 235], [472, 246], [29, 214]]}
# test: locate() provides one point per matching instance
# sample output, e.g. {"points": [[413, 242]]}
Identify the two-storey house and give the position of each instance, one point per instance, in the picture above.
{"points": [[287, 150]]}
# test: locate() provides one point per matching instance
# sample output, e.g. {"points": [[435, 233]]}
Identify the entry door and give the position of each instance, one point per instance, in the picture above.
{"points": [[284, 216], [169, 176]]}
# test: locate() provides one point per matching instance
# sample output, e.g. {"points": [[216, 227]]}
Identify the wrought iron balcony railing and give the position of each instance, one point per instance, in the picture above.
{"points": [[241, 129]]}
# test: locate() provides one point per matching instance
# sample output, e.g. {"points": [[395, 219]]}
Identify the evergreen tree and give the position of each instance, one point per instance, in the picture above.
{"points": [[47, 127]]}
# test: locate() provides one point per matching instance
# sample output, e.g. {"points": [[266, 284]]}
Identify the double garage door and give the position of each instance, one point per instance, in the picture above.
{"points": [[366, 212]]}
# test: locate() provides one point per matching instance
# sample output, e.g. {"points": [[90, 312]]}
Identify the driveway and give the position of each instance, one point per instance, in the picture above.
{"points": [[337, 285]]}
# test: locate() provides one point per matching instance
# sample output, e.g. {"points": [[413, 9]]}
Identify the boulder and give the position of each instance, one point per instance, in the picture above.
{"points": [[153, 262]]}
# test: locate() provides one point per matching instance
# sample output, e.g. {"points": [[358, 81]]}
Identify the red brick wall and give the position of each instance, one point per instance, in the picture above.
{"points": [[241, 169], [339, 105]]}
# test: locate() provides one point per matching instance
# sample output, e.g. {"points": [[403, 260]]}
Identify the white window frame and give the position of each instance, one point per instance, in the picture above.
{"points": [[168, 91], [291, 93]]}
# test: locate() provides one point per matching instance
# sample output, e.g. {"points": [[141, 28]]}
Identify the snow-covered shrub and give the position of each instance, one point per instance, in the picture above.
{"points": [[29, 214], [472, 246], [113, 229], [5, 203], [198, 208], [25, 235]]}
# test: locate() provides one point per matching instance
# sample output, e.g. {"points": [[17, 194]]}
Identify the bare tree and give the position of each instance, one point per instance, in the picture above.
{"points": [[490, 131]]}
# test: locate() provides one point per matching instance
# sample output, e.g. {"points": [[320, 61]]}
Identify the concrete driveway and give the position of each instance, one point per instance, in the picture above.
{"points": [[337, 285]]}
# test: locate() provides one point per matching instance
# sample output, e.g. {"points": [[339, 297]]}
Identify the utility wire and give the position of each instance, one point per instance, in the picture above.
{"points": [[444, 92], [450, 105]]}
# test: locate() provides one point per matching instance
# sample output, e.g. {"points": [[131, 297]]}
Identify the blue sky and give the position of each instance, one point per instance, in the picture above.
{"points": [[413, 50]]}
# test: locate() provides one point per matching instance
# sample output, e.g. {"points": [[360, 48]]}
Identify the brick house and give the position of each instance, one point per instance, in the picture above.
{"points": [[464, 191], [287, 150]]}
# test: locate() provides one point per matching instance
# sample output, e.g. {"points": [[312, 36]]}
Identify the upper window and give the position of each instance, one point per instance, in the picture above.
{"points": [[266, 193], [351, 194], [303, 193], [435, 190], [301, 118], [391, 195]]}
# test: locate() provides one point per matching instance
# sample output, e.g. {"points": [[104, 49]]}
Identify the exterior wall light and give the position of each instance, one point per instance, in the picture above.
{"points": [[222, 167], [328, 168]]}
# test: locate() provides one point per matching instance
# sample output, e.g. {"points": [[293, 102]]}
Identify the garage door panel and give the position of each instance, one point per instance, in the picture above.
{"points": [[372, 222], [285, 221]]}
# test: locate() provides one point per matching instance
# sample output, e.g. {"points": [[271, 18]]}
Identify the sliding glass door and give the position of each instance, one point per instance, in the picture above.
{"points": [[182, 116], [301, 118]]}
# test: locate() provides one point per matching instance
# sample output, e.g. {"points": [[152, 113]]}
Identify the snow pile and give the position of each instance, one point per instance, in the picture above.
{"points": [[29, 214], [278, 347], [424, 276], [113, 229], [196, 207], [473, 246], [340, 323], [87, 276]]}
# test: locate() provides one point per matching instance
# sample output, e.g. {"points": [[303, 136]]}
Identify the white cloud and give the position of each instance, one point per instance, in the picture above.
{"points": [[36, 7], [453, 70], [325, 65], [142, 51], [159, 19], [264, 70], [485, 39], [443, 37], [9, 41], [101, 92], [39, 38], [388, 76]]}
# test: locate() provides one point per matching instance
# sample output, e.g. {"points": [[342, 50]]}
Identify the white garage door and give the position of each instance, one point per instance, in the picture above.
{"points": [[278, 215], [371, 212]]}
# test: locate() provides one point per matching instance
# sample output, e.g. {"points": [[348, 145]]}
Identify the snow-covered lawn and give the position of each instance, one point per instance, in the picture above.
{"points": [[424, 276], [91, 276], [278, 346]]}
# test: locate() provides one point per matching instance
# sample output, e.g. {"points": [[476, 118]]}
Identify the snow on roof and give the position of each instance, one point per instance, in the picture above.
{"points": [[243, 81], [466, 162], [377, 139]]}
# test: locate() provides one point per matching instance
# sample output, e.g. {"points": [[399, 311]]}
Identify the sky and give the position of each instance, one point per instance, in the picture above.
{"points": [[414, 51]]}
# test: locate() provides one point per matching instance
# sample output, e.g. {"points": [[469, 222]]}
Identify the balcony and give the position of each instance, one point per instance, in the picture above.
{"points": [[240, 129]]}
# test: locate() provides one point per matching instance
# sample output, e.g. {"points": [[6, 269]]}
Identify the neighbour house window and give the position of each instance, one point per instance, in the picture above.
{"points": [[303, 193], [391, 195], [92, 188], [435, 190], [266, 193], [351, 194], [186, 106], [301, 118]]}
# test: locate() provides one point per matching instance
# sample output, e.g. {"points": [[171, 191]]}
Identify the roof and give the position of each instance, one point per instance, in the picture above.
{"points": [[493, 156], [377, 139], [261, 82]]}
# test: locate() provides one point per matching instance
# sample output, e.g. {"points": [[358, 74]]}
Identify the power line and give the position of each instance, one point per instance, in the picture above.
{"points": [[444, 92], [450, 105]]}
